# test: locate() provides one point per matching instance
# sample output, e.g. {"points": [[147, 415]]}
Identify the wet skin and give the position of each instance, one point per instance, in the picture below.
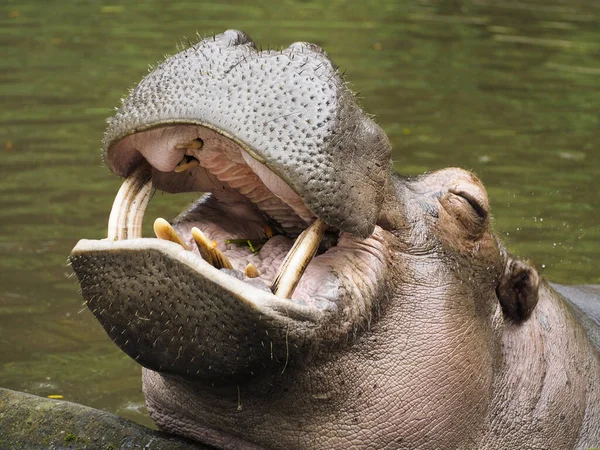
{"points": [[412, 326]]}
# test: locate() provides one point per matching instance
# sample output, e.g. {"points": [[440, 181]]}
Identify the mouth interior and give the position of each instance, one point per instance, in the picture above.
{"points": [[252, 225]]}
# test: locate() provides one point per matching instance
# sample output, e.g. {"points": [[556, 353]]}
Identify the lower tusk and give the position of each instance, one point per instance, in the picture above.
{"points": [[127, 213], [164, 230], [297, 259], [209, 251]]}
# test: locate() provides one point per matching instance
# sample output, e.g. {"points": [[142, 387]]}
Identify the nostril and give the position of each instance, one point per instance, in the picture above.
{"points": [[237, 37]]}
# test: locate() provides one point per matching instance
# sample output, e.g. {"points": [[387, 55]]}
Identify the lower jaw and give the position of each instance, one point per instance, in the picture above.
{"points": [[173, 312]]}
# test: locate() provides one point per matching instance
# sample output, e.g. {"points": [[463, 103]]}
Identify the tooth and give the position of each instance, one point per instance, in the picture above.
{"points": [[127, 213], [193, 144], [297, 259], [186, 164], [164, 230], [209, 251], [221, 261], [268, 231], [251, 271], [205, 245]]}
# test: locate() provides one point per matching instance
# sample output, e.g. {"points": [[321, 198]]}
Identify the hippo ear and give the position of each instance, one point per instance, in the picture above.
{"points": [[518, 289]]}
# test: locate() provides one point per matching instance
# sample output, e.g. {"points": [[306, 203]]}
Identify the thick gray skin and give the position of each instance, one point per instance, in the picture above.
{"points": [[456, 344]]}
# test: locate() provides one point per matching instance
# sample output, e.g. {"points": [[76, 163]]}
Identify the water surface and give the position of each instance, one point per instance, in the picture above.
{"points": [[509, 90]]}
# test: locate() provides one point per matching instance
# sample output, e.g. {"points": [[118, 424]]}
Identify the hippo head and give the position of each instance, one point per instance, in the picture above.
{"points": [[311, 297]]}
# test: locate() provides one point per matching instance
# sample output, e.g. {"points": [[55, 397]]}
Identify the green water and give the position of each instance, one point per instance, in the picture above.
{"points": [[508, 89]]}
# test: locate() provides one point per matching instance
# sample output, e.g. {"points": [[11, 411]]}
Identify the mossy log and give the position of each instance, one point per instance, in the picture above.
{"points": [[31, 422]]}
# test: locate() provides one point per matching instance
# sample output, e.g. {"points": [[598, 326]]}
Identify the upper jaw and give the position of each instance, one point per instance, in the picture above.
{"points": [[289, 110]]}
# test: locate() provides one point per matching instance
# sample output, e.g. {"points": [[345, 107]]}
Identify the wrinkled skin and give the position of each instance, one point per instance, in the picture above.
{"points": [[416, 329]]}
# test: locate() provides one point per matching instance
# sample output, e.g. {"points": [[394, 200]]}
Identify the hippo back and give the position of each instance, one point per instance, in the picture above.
{"points": [[585, 303]]}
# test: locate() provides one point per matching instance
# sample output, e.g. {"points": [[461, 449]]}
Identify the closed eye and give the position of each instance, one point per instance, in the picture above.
{"points": [[475, 204]]}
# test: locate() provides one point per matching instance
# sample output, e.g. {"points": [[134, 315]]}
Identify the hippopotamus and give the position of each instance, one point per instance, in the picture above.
{"points": [[313, 297]]}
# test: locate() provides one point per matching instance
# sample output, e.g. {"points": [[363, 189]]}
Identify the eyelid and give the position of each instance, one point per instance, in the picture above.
{"points": [[475, 204]]}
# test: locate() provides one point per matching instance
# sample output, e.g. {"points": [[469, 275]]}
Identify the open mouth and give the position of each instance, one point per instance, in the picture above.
{"points": [[252, 226], [245, 278]]}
